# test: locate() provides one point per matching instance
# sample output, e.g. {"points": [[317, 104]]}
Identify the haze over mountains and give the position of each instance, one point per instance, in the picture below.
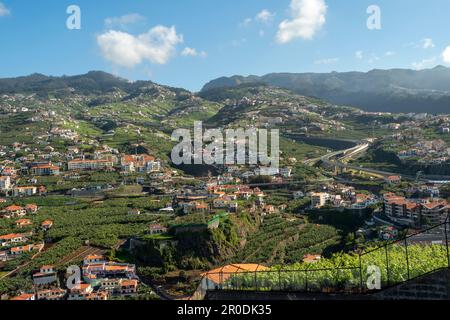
{"points": [[395, 90]]}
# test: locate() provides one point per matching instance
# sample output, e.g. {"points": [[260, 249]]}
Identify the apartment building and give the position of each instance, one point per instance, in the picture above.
{"points": [[5, 183], [318, 199], [25, 191], [90, 165], [415, 213], [45, 170], [140, 163]]}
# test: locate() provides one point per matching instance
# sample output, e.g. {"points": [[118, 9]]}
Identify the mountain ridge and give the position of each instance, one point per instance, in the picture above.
{"points": [[395, 90]]}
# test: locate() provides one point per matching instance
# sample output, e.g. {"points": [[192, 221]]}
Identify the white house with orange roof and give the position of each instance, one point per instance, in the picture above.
{"points": [[22, 223], [11, 238], [124, 287], [97, 296], [46, 275], [14, 211], [80, 292], [25, 191], [46, 225], [100, 270], [15, 251], [93, 259], [51, 294], [31, 208]]}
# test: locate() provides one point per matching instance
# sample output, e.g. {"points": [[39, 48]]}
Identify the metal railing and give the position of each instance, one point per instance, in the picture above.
{"points": [[395, 262]]}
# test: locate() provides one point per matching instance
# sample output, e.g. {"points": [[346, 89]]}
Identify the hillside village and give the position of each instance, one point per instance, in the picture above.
{"points": [[86, 180]]}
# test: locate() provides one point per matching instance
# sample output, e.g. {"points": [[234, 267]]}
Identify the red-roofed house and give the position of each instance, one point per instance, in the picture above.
{"points": [[157, 229], [51, 294], [46, 275], [214, 279], [24, 297], [80, 292], [21, 223], [393, 179], [21, 249], [12, 238], [31, 208], [46, 225], [14, 211], [94, 258]]}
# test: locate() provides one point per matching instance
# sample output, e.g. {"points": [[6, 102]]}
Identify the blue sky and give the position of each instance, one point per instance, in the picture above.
{"points": [[186, 43]]}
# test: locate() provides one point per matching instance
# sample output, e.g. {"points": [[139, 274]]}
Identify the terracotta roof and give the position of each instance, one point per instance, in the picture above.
{"points": [[55, 291], [23, 221], [201, 206], [137, 158], [434, 204], [94, 256], [13, 208], [115, 268], [222, 274], [131, 282], [45, 166], [311, 257], [11, 236], [26, 187], [47, 267], [22, 248], [81, 287], [24, 296]]}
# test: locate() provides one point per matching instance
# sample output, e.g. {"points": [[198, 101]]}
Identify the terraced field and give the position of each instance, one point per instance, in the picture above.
{"points": [[285, 239]]}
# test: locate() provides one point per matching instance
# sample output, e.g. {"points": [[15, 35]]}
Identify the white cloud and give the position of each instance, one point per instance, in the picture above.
{"points": [[359, 55], [373, 58], [264, 16], [389, 53], [4, 11], [193, 53], [308, 16], [327, 61], [446, 55], [427, 43], [158, 45], [424, 64], [246, 22], [124, 20]]}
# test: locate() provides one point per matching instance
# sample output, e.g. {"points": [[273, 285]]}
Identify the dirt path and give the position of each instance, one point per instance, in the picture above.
{"points": [[41, 250]]}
